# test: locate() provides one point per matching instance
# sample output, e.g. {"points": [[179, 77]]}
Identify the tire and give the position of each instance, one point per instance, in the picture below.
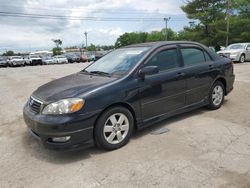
{"points": [[117, 133], [242, 58], [216, 96]]}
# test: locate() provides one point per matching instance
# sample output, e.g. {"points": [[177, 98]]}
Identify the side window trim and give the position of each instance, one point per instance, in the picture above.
{"points": [[208, 55]]}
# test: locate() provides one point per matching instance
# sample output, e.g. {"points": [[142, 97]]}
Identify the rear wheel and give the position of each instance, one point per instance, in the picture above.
{"points": [[242, 58], [216, 95], [114, 128]]}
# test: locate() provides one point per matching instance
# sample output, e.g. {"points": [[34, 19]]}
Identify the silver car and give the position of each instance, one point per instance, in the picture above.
{"points": [[239, 52], [48, 60], [60, 59], [15, 61]]}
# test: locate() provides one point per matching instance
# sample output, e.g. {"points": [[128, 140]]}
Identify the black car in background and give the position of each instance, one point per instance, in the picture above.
{"points": [[129, 88], [3, 61], [72, 58]]}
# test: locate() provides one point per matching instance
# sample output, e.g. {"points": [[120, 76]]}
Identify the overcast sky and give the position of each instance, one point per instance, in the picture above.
{"points": [[30, 34]]}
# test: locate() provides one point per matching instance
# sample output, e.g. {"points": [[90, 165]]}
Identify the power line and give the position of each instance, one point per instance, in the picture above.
{"points": [[90, 18], [85, 10]]}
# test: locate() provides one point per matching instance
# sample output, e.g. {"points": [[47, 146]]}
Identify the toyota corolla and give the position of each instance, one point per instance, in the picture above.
{"points": [[129, 88]]}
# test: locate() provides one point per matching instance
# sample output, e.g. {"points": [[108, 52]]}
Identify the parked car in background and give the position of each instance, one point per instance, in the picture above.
{"points": [[99, 55], [47, 60], [15, 61], [91, 57], [3, 61], [72, 58], [33, 60], [131, 87], [83, 58], [239, 52], [60, 59]]}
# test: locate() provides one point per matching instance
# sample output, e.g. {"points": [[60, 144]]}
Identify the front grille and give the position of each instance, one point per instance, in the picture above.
{"points": [[35, 105]]}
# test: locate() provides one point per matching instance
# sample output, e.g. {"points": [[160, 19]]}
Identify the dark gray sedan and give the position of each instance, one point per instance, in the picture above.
{"points": [[129, 88]]}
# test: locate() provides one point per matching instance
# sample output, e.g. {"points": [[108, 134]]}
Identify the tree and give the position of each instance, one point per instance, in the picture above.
{"points": [[140, 37], [105, 47], [57, 42], [57, 50], [92, 47], [212, 25], [8, 53]]}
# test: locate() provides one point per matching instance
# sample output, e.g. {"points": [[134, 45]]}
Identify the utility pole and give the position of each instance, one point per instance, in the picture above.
{"points": [[227, 17], [86, 38], [166, 22]]}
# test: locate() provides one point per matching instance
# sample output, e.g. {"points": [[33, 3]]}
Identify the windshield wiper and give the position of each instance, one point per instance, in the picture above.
{"points": [[100, 73], [84, 71]]}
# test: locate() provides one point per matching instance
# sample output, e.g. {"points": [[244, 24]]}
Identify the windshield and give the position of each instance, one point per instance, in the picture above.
{"points": [[16, 57], [34, 56], [118, 62], [235, 46]]}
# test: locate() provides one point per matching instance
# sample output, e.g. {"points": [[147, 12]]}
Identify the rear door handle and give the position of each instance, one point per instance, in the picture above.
{"points": [[210, 67], [180, 74]]}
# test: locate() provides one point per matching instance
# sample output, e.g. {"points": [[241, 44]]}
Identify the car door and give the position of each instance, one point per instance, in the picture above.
{"points": [[200, 71], [163, 92]]}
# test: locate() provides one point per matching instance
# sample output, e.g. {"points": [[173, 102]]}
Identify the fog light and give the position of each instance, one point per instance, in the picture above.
{"points": [[61, 139]]}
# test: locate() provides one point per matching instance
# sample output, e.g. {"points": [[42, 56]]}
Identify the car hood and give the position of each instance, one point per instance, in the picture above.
{"points": [[230, 51], [70, 86]]}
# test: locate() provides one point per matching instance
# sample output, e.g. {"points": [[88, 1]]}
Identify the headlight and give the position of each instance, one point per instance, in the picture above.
{"points": [[235, 53], [65, 106]]}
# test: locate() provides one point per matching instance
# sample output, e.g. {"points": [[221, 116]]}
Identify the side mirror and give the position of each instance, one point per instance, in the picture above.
{"points": [[248, 48], [148, 70]]}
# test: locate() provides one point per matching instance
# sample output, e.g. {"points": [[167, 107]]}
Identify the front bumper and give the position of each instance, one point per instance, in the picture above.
{"points": [[45, 127], [235, 57], [3, 64]]}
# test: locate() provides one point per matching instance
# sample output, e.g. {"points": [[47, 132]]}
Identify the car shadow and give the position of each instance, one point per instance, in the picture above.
{"points": [[166, 122], [37, 150]]}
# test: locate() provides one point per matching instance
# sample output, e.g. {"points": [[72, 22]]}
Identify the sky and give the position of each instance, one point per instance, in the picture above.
{"points": [[30, 25]]}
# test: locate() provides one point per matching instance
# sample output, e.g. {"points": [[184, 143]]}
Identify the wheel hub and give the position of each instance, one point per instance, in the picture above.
{"points": [[116, 127]]}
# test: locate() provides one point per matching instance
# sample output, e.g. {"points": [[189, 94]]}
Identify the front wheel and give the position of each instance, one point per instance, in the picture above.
{"points": [[114, 128], [216, 95]]}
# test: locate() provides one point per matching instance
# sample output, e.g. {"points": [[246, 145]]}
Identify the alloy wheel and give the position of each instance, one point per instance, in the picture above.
{"points": [[217, 95], [116, 128]]}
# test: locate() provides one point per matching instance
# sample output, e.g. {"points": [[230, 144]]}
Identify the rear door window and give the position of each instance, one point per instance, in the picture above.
{"points": [[192, 56]]}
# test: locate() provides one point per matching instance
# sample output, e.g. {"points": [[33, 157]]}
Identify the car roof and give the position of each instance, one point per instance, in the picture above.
{"points": [[155, 45], [244, 43], [161, 43]]}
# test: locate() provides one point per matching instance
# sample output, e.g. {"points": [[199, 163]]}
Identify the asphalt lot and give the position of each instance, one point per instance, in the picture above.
{"points": [[201, 149]]}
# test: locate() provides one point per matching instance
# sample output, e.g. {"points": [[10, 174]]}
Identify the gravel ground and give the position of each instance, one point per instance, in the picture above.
{"points": [[201, 149]]}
